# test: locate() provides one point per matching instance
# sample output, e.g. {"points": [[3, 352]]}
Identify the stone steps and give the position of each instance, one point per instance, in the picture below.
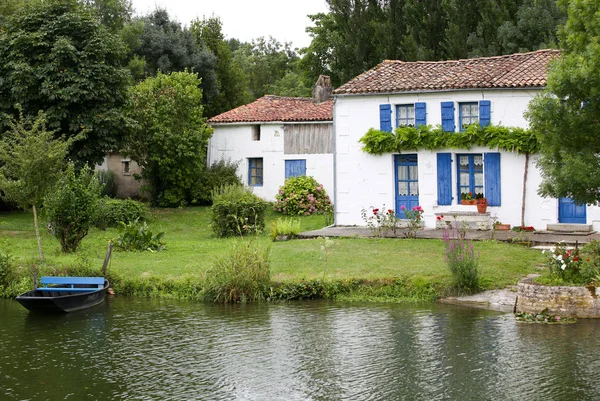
{"points": [[564, 228]]}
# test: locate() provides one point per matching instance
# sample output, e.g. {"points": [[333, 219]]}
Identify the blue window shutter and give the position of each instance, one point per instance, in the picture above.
{"points": [[444, 178], [484, 113], [448, 116], [385, 117], [295, 168], [491, 166], [420, 113]]}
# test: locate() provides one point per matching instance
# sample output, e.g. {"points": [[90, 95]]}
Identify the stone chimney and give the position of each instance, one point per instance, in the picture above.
{"points": [[323, 89]]}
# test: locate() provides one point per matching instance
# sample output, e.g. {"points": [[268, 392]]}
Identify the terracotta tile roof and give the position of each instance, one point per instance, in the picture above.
{"points": [[511, 71], [277, 108]]}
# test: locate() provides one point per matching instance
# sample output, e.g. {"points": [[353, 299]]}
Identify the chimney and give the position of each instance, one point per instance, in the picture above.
{"points": [[323, 89]]}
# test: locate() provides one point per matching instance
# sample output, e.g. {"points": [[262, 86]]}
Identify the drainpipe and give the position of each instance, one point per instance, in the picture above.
{"points": [[334, 165]]}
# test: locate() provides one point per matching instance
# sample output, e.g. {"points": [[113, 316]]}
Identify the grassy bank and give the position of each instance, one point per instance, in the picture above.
{"points": [[351, 267]]}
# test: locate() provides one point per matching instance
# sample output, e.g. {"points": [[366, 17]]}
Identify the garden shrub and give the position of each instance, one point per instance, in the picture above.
{"points": [[590, 258], [237, 211], [107, 180], [302, 195], [71, 206], [136, 236], [242, 276], [112, 211], [462, 261], [221, 173], [288, 227]]}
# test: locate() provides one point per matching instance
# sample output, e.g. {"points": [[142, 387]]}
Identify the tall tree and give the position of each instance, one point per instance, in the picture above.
{"points": [[167, 47], [31, 161], [231, 80], [59, 58], [170, 138], [566, 117]]}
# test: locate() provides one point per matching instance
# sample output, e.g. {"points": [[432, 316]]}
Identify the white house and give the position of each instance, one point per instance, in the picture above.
{"points": [[276, 137], [494, 90]]}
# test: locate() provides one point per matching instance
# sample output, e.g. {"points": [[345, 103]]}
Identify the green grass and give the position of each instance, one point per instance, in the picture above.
{"points": [[192, 249]]}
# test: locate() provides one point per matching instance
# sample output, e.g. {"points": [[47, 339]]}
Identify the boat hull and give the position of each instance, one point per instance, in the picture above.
{"points": [[62, 302]]}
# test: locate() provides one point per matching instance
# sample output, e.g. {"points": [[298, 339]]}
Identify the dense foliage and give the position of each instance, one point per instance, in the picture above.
{"points": [[170, 138], [302, 195], [237, 211], [58, 57], [137, 236], [110, 212], [565, 117], [510, 139], [462, 261], [221, 173], [71, 206]]}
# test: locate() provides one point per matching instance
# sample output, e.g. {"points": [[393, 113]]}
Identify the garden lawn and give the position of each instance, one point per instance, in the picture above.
{"points": [[192, 249]]}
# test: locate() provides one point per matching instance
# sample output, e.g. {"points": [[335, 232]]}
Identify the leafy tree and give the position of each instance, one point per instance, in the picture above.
{"points": [[167, 47], [31, 161], [71, 206], [9, 7], [113, 14], [59, 58], [232, 83], [565, 117], [169, 141]]}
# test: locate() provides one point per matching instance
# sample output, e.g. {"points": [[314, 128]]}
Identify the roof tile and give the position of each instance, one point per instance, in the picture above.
{"points": [[521, 70], [277, 108]]}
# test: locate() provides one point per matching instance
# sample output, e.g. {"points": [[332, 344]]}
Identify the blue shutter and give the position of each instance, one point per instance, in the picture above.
{"points": [[420, 114], [385, 117], [295, 168], [444, 178], [491, 166], [484, 113], [448, 116]]}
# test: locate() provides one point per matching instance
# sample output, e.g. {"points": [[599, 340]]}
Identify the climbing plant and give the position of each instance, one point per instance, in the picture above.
{"points": [[511, 139]]}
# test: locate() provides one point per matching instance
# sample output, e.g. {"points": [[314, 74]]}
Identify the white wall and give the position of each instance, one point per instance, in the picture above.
{"points": [[235, 142], [365, 180]]}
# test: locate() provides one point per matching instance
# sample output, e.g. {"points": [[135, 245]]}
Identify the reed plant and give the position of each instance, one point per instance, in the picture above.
{"points": [[285, 227], [243, 275], [462, 261]]}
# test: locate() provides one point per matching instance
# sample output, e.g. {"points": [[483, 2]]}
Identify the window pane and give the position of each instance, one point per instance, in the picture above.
{"points": [[478, 179], [414, 189], [402, 173], [465, 110], [402, 188], [464, 162], [411, 112], [414, 173]]}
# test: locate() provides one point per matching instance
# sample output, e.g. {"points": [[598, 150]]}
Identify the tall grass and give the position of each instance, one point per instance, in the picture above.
{"points": [[289, 227], [462, 261], [241, 276]]}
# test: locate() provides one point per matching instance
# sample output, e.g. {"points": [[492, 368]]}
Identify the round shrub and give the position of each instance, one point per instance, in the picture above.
{"points": [[222, 172], [302, 195], [237, 211], [110, 212]]}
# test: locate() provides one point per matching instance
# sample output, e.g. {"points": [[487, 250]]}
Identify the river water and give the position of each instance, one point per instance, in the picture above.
{"points": [[141, 349]]}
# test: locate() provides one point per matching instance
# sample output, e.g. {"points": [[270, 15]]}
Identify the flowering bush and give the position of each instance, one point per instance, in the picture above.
{"points": [[414, 216], [462, 261], [302, 195], [564, 263], [380, 221]]}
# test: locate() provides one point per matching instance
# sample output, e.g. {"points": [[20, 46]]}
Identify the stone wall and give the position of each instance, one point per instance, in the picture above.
{"points": [[582, 302]]}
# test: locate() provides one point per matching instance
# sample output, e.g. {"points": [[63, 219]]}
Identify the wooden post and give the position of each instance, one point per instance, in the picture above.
{"points": [[107, 257]]}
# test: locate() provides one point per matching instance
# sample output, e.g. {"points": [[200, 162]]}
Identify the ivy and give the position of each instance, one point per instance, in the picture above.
{"points": [[510, 139]]}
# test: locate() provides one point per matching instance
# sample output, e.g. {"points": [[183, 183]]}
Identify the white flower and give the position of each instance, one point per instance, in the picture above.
{"points": [[560, 257], [543, 252], [563, 266]]}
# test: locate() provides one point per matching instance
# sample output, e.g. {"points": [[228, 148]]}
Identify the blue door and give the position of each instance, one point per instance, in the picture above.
{"points": [[407, 183], [570, 212], [295, 168]]}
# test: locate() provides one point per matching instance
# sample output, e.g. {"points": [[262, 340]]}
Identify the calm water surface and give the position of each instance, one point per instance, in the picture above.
{"points": [[140, 349]]}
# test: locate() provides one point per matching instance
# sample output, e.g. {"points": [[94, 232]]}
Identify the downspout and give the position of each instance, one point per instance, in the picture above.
{"points": [[334, 165]]}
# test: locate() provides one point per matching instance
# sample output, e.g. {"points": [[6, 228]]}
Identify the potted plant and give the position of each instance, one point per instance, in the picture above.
{"points": [[482, 205], [467, 199], [498, 226]]}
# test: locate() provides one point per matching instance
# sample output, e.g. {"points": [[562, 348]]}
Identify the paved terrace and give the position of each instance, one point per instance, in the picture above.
{"points": [[536, 238]]}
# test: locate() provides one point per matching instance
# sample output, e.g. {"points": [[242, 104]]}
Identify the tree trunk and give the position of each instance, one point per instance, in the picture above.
{"points": [[37, 234], [524, 189]]}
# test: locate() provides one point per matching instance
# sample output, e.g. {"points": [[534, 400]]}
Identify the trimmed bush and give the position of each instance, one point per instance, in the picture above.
{"points": [[111, 212], [71, 207], [237, 211], [221, 173], [242, 276], [302, 195]]}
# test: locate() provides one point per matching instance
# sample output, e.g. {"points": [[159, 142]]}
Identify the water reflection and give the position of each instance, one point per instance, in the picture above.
{"points": [[167, 350]]}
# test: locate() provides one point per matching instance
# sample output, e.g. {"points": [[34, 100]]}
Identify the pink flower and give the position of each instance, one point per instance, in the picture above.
{"points": [[402, 207]]}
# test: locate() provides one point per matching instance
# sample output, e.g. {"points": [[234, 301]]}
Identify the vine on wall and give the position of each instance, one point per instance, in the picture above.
{"points": [[510, 139]]}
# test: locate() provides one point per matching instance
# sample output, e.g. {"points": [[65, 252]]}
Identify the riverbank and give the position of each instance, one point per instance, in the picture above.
{"points": [[348, 268]]}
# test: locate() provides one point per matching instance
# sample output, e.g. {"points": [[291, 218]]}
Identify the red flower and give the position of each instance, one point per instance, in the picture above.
{"points": [[575, 259], [375, 211], [442, 216], [390, 211], [439, 217]]}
